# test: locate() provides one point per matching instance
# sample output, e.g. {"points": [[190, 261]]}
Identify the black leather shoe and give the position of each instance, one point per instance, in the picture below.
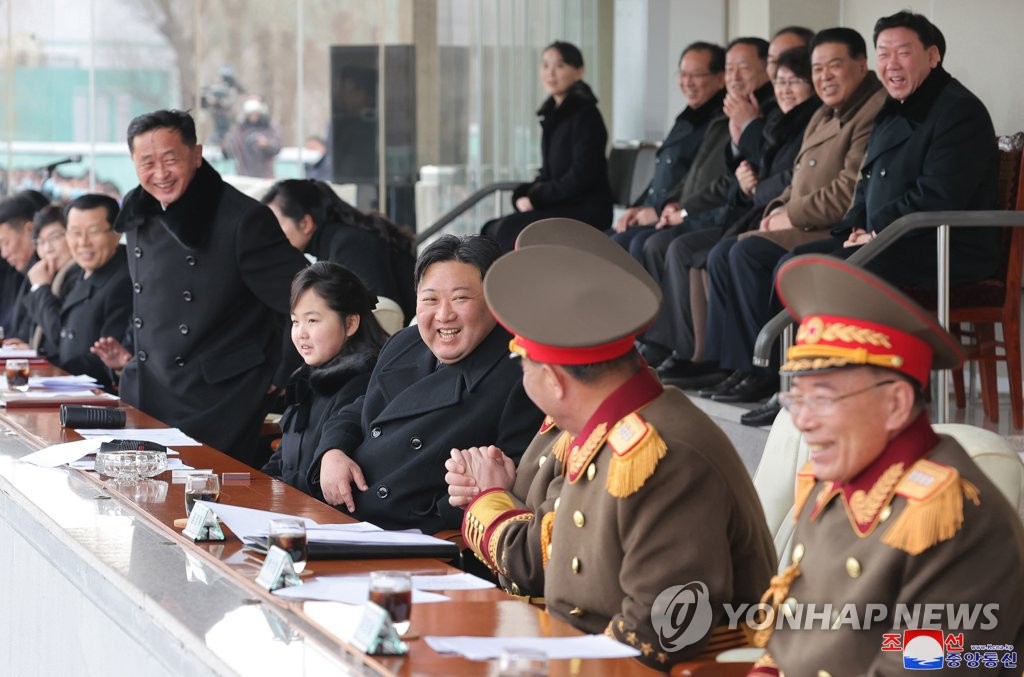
{"points": [[728, 383], [653, 353], [751, 389], [675, 368], [763, 415]]}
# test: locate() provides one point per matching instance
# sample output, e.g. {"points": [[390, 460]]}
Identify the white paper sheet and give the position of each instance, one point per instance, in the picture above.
{"points": [[59, 454], [169, 437], [347, 589], [63, 393], [486, 648], [249, 521], [323, 534], [461, 581], [62, 382], [12, 353]]}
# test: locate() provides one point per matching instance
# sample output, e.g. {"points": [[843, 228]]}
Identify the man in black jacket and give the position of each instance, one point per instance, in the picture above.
{"points": [[446, 383], [211, 271]]}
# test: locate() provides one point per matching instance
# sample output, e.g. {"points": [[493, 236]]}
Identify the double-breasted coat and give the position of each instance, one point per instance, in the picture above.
{"points": [[826, 168], [845, 557], [414, 412], [96, 306], [210, 279], [935, 151], [652, 497]]}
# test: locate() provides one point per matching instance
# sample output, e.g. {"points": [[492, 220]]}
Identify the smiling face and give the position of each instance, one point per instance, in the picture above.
{"points": [[903, 61], [835, 74], [451, 312], [847, 439], [318, 332], [91, 238], [164, 163], [790, 90], [744, 70], [696, 81], [52, 244], [556, 75], [16, 243]]}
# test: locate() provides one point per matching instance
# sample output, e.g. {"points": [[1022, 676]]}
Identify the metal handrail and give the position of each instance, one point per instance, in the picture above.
{"points": [[464, 206], [942, 220]]}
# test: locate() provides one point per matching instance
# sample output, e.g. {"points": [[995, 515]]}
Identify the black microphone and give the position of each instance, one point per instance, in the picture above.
{"points": [[71, 159]]}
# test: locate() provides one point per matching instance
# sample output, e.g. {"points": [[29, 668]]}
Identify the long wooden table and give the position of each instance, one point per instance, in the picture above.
{"points": [[157, 503]]}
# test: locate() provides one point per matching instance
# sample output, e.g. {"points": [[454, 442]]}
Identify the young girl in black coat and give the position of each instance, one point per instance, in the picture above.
{"points": [[338, 338]]}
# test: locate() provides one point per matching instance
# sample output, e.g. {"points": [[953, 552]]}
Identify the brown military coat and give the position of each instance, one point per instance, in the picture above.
{"points": [[981, 564], [827, 167], [696, 518]]}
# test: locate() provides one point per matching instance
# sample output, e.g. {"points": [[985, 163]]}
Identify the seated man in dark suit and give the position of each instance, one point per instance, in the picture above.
{"points": [[446, 383], [17, 250], [702, 82], [100, 302]]}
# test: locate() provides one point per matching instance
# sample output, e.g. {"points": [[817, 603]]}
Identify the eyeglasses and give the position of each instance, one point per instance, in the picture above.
{"points": [[789, 82], [821, 405], [87, 233], [51, 240]]}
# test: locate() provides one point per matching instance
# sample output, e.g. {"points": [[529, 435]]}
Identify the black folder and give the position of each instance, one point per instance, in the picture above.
{"points": [[318, 550]]}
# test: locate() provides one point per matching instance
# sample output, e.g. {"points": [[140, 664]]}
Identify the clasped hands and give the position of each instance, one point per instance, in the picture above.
{"points": [[473, 470]]}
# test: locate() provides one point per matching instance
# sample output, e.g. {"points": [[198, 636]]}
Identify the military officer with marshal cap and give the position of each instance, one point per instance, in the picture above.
{"points": [[535, 484], [653, 494], [888, 512]]}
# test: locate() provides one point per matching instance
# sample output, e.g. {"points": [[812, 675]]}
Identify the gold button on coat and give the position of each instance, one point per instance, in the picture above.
{"points": [[884, 515], [798, 553], [575, 565], [853, 567], [541, 461], [578, 519], [576, 612], [824, 673], [591, 472], [558, 501]]}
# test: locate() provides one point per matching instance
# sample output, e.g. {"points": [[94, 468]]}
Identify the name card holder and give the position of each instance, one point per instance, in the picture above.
{"points": [[376, 635], [277, 571], [202, 525]]}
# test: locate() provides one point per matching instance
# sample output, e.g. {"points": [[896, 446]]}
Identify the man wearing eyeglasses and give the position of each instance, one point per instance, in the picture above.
{"points": [[888, 513]]}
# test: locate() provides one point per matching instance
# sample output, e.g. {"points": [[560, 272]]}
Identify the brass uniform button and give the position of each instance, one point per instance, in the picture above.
{"points": [[575, 565], [853, 567], [788, 606], [886, 512], [576, 612], [515, 589], [558, 502], [541, 461], [577, 519], [824, 673], [591, 472], [798, 553]]}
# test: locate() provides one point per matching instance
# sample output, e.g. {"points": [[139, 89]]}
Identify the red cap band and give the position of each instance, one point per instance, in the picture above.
{"points": [[539, 352]]}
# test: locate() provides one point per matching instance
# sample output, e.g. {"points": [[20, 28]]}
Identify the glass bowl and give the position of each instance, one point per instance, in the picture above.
{"points": [[131, 464]]}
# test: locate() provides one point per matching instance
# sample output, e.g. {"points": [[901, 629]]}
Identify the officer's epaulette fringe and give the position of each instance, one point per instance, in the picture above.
{"points": [[547, 526], [804, 483], [777, 591], [561, 447], [638, 448], [935, 507]]}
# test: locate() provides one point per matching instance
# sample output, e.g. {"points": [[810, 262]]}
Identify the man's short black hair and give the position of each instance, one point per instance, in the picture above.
{"points": [[180, 120], [716, 62], [16, 211], [760, 44], [802, 32], [94, 201], [853, 40], [919, 23], [588, 373], [477, 250]]}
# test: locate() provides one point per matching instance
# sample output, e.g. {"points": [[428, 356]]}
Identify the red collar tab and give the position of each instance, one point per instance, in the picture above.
{"points": [[641, 389]]}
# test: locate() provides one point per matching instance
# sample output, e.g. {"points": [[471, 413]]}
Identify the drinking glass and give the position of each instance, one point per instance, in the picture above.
{"points": [[522, 663], [290, 536], [392, 591], [201, 488], [17, 372]]}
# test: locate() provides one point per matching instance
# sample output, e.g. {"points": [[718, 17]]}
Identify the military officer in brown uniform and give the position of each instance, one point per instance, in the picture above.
{"points": [[888, 512], [643, 467]]}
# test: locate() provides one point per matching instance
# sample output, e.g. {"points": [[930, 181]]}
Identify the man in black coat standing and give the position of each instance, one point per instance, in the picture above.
{"points": [[445, 383], [211, 271]]}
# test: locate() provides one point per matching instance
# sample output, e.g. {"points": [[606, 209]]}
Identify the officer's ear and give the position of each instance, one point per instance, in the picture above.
{"points": [[555, 380], [901, 406]]}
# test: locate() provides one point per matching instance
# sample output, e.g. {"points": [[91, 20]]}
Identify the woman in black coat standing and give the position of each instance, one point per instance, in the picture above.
{"points": [[338, 338], [573, 178]]}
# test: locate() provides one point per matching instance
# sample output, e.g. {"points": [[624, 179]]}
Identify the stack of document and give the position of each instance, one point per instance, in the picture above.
{"points": [[486, 648], [359, 540]]}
